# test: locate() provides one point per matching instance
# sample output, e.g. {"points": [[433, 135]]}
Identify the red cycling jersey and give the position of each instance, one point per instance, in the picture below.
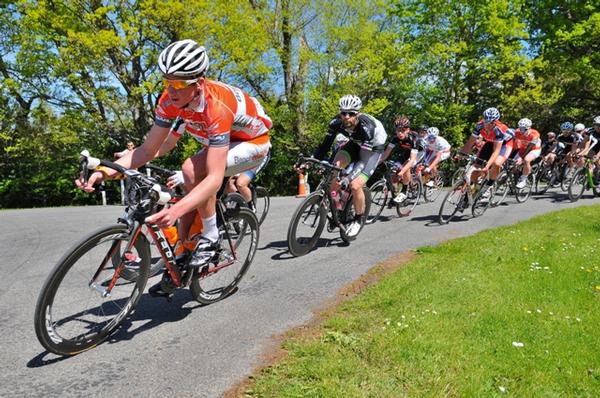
{"points": [[228, 114], [493, 132], [522, 140]]}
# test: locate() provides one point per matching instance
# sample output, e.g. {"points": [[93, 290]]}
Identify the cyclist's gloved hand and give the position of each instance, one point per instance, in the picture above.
{"points": [[175, 180]]}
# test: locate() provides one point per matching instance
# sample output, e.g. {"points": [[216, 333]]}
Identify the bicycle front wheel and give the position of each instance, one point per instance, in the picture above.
{"points": [[220, 278], [306, 225], [262, 203], [577, 185], [74, 312], [379, 199], [501, 188], [544, 179], [522, 194], [412, 198]]}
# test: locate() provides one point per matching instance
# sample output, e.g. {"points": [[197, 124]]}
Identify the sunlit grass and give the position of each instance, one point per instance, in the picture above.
{"points": [[514, 310]]}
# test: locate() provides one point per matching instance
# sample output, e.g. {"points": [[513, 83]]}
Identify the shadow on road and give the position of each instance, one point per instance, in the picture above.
{"points": [[284, 254], [151, 311]]}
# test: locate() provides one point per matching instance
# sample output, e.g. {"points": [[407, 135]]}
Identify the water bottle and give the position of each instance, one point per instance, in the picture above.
{"points": [[336, 200]]}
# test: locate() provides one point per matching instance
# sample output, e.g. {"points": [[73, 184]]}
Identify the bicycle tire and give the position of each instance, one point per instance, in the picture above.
{"points": [[311, 210], [430, 194], [262, 201], [479, 206], [218, 280], [566, 179], [379, 199], [501, 188], [348, 213], [596, 188], [543, 180], [60, 294], [412, 197], [451, 203], [577, 185], [457, 176], [524, 193]]}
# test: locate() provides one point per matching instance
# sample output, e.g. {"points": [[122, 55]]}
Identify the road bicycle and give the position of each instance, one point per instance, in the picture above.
{"points": [[464, 194], [319, 209], [86, 295], [584, 178], [507, 182]]}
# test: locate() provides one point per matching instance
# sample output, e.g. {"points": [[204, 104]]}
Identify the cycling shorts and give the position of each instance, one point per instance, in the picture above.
{"points": [[246, 155], [364, 161]]}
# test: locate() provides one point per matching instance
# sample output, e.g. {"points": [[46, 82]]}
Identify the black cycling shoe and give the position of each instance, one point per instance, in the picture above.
{"points": [[205, 252], [164, 288]]}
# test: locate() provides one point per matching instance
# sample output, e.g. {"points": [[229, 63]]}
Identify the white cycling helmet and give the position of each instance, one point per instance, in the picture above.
{"points": [[579, 127], [350, 103], [183, 59], [432, 133], [525, 124], [597, 120]]}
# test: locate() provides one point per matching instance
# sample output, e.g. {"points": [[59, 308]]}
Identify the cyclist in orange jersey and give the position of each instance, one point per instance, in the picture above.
{"points": [[231, 124], [529, 147]]}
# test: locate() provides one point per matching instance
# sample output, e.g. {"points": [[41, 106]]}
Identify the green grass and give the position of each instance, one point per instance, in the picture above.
{"points": [[445, 323]]}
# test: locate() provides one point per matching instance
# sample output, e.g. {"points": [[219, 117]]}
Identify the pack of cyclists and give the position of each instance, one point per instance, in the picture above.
{"points": [[234, 130]]}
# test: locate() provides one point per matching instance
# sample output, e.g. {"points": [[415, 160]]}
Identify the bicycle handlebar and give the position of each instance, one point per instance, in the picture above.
{"points": [[88, 162], [321, 163]]}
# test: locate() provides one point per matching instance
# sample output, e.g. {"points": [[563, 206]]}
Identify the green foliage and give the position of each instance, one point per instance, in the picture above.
{"points": [[83, 74]]}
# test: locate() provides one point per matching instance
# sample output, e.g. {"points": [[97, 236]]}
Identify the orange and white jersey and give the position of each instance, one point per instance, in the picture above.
{"points": [[227, 115], [523, 140]]}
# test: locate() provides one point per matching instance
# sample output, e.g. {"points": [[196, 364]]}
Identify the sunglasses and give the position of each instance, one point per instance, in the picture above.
{"points": [[351, 114], [179, 84]]}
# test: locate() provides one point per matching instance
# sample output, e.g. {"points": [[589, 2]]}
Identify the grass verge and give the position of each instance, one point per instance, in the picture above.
{"points": [[514, 310]]}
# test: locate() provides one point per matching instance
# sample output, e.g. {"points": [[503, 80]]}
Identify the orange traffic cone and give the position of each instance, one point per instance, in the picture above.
{"points": [[301, 186]]}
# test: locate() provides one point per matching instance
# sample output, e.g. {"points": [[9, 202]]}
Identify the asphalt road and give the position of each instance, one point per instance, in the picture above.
{"points": [[181, 349]]}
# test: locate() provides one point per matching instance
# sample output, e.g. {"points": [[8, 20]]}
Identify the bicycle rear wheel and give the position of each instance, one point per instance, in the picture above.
{"points": [[219, 279], [348, 213], [306, 225], [74, 312], [453, 202], [577, 185], [379, 199], [431, 193]]}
